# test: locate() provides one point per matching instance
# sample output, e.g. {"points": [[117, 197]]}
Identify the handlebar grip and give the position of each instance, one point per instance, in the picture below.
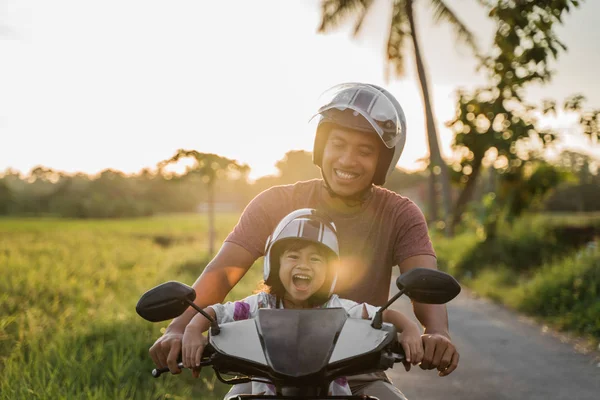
{"points": [[397, 348], [398, 351], [206, 360], [156, 372]]}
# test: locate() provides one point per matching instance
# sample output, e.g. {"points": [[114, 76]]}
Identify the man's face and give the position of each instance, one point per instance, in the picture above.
{"points": [[350, 160]]}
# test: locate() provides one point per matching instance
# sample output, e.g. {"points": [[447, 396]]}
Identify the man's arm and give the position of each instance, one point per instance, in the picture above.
{"points": [[218, 278], [220, 275], [440, 353], [433, 317]]}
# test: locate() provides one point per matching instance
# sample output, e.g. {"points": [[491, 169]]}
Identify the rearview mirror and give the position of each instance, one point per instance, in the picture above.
{"points": [[165, 301], [428, 286]]}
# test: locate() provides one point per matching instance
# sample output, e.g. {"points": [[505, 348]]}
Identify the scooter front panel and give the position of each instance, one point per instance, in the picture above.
{"points": [[357, 338], [240, 339]]}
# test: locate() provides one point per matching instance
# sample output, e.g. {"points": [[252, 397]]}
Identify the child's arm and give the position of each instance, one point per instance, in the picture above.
{"points": [[194, 341], [410, 339]]}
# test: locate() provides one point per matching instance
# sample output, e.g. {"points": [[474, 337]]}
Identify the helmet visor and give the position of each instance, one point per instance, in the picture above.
{"points": [[368, 102]]}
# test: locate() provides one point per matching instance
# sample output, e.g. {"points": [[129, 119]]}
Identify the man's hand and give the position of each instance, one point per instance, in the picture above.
{"points": [[440, 353], [165, 350]]}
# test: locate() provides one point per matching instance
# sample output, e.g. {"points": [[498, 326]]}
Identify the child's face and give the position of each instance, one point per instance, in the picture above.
{"points": [[302, 272]]}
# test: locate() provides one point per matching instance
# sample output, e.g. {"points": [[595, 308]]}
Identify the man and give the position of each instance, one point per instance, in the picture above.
{"points": [[360, 136]]}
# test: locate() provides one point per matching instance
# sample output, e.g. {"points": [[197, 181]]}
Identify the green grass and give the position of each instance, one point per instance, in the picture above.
{"points": [[566, 293], [68, 327]]}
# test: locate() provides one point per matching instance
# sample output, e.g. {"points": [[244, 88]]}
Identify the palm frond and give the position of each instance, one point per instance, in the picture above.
{"points": [[441, 12], [361, 17], [334, 12]]}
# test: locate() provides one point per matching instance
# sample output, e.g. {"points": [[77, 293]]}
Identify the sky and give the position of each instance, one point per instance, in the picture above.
{"points": [[89, 85]]}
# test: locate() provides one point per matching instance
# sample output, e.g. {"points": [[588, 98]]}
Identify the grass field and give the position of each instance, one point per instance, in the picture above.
{"points": [[68, 326]]}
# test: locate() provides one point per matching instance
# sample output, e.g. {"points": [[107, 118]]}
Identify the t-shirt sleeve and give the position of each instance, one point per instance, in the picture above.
{"points": [[256, 223], [412, 234], [354, 309], [238, 310]]}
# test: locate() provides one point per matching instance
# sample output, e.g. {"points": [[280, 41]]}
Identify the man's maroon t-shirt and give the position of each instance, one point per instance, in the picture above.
{"points": [[388, 229]]}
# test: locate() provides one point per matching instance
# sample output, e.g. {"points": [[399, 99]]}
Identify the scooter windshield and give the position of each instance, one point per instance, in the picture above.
{"points": [[299, 342]]}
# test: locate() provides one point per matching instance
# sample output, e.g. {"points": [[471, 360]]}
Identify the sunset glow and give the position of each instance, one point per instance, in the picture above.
{"points": [[123, 85]]}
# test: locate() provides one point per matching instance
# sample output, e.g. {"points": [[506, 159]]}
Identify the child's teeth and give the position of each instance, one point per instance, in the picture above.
{"points": [[302, 276]]}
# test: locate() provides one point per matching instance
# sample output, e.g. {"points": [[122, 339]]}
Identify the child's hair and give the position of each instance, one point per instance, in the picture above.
{"points": [[274, 286]]}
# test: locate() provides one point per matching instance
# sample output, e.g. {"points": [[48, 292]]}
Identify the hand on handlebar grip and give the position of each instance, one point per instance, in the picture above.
{"points": [[411, 343], [166, 351], [193, 345], [156, 372]]}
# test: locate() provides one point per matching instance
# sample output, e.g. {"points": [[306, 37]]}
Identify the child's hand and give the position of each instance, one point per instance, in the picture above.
{"points": [[411, 342], [193, 345]]}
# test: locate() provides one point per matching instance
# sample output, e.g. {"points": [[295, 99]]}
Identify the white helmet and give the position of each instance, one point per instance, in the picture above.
{"points": [[305, 224], [366, 108]]}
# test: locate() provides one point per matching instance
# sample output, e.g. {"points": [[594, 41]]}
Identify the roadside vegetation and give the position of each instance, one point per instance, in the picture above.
{"points": [[546, 266]]}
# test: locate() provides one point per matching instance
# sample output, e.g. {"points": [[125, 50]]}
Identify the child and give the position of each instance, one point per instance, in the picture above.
{"points": [[299, 272]]}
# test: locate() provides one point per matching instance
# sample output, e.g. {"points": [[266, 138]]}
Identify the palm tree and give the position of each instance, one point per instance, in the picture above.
{"points": [[403, 27], [209, 167]]}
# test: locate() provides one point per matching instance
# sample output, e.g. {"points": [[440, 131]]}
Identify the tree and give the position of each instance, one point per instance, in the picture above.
{"points": [[589, 128], [490, 127], [6, 197], [589, 119], [403, 27], [496, 118], [209, 168], [297, 165]]}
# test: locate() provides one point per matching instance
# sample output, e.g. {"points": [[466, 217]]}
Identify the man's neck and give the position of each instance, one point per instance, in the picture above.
{"points": [[340, 205]]}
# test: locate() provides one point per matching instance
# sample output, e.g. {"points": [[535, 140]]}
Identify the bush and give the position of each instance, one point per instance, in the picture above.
{"points": [[450, 252], [567, 292], [574, 198], [528, 244]]}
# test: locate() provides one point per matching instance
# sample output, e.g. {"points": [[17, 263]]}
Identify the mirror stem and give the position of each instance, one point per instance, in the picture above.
{"points": [[378, 318], [214, 327]]}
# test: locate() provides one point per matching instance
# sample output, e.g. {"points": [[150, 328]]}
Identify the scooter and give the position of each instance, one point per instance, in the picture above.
{"points": [[300, 352]]}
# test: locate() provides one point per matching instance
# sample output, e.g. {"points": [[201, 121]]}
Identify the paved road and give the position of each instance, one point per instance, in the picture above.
{"points": [[503, 356]]}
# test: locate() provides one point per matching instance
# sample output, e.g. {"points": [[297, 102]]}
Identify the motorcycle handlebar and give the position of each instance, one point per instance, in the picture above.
{"points": [[398, 352], [156, 372], [396, 348]]}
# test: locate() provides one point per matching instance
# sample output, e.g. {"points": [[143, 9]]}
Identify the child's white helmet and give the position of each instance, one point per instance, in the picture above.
{"points": [[305, 224]]}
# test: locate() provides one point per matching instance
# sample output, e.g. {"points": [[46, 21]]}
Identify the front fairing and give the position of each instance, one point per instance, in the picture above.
{"points": [[280, 397], [301, 347]]}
